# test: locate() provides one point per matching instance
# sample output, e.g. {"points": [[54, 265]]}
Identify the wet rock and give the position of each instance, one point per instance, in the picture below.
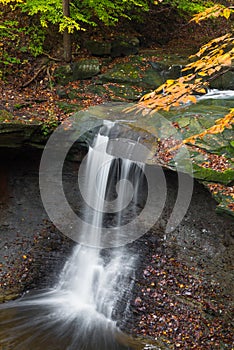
{"points": [[195, 264], [15, 135], [32, 251]]}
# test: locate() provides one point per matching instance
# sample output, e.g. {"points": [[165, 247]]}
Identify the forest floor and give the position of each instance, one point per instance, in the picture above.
{"points": [[28, 90]]}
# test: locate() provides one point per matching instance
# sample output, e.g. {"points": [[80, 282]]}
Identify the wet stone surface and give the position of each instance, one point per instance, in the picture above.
{"points": [[32, 250], [182, 292]]}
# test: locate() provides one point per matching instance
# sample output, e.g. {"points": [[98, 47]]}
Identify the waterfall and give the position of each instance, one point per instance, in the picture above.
{"points": [[92, 283], [94, 287]]}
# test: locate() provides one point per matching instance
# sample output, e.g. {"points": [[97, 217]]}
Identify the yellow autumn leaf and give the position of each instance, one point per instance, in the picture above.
{"points": [[192, 99], [147, 96], [211, 71], [189, 140], [160, 88], [213, 56], [201, 91], [226, 13], [202, 74], [170, 81]]}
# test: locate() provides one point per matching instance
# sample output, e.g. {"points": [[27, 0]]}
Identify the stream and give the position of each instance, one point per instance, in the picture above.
{"points": [[79, 312], [91, 297]]}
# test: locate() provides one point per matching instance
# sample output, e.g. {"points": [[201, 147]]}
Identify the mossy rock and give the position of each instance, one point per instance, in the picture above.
{"points": [[5, 115], [215, 104], [17, 134], [69, 107], [183, 121], [83, 69], [208, 174], [96, 89], [63, 75], [122, 73], [124, 91], [218, 143], [223, 197], [208, 110], [138, 73], [125, 46], [113, 91]]}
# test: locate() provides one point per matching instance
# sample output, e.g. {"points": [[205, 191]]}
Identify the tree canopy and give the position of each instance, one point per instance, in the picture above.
{"points": [[213, 59], [81, 14]]}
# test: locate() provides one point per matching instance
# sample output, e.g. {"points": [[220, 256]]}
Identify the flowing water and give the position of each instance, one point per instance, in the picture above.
{"points": [[217, 95], [92, 294], [91, 297]]}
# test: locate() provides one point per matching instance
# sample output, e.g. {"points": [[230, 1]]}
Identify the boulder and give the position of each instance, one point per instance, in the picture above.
{"points": [[98, 48], [83, 69], [173, 72], [224, 82], [125, 47], [135, 72], [16, 135], [63, 74]]}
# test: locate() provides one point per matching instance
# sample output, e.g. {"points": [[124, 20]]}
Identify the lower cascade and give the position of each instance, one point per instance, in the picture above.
{"points": [[91, 297]]}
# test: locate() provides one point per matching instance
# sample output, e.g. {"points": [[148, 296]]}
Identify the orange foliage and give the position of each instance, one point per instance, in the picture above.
{"points": [[219, 127], [213, 12], [213, 59]]}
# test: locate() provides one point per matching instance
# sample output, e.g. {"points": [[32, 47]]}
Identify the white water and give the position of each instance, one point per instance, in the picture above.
{"points": [[217, 94], [93, 284], [81, 311]]}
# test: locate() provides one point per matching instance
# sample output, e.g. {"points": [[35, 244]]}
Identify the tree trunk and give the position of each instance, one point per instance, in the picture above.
{"points": [[67, 43]]}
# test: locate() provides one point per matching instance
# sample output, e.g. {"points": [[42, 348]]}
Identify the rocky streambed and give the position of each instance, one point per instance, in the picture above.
{"points": [[32, 250], [182, 295]]}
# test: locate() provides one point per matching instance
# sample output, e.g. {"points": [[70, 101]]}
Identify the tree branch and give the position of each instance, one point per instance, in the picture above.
{"points": [[34, 77]]}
